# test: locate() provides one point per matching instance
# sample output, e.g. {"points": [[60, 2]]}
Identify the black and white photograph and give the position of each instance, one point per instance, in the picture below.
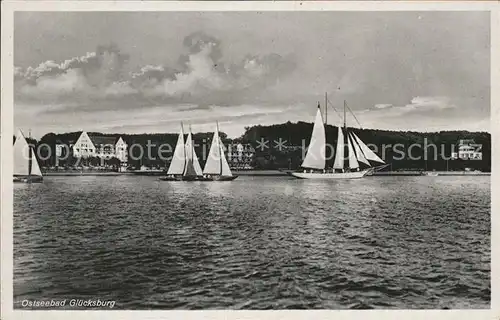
{"points": [[251, 160]]}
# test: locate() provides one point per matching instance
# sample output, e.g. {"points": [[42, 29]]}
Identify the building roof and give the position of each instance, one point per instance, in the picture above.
{"points": [[466, 141], [103, 140]]}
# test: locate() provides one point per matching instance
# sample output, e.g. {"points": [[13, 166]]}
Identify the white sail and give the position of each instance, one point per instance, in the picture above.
{"points": [[369, 154], [189, 169], [35, 168], [359, 154], [196, 165], [315, 156], [213, 164], [225, 170], [216, 162], [353, 162], [339, 152], [21, 155], [179, 156], [191, 156]]}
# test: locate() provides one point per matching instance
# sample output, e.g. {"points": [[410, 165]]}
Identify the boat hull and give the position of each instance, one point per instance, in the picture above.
{"points": [[214, 178], [219, 178], [180, 178], [330, 176], [430, 174], [28, 179], [149, 173]]}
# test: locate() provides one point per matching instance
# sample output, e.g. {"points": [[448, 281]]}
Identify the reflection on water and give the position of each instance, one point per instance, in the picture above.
{"points": [[255, 243]]}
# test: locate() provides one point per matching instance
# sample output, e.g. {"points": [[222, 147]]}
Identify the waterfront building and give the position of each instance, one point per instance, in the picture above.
{"points": [[467, 150], [101, 146], [121, 150], [241, 156]]}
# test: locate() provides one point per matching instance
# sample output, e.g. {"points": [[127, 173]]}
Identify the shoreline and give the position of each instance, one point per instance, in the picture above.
{"points": [[80, 173], [268, 173]]}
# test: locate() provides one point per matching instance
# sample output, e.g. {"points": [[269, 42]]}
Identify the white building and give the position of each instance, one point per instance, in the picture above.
{"points": [[240, 156], [121, 152], [105, 147], [467, 150]]}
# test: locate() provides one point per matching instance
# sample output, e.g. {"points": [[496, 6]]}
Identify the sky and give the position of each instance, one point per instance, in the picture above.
{"points": [[140, 72]]}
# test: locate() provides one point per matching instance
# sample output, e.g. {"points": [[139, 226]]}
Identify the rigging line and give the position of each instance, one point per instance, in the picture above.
{"points": [[354, 116], [331, 105], [340, 117]]}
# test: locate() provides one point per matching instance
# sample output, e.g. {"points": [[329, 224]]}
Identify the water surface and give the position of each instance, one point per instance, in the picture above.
{"points": [[255, 242]]}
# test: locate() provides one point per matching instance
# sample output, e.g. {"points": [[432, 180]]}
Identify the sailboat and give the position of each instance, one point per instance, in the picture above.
{"points": [[216, 167], [26, 167], [185, 165], [358, 154]]}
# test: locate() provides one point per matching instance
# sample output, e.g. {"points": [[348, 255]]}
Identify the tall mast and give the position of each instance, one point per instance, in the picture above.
{"points": [[345, 131], [192, 143], [326, 108], [220, 148], [183, 148], [326, 119], [30, 161], [345, 125]]}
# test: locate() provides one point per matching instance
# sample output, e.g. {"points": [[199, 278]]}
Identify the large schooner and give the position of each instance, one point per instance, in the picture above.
{"points": [[216, 167], [26, 168], [358, 154], [185, 165]]}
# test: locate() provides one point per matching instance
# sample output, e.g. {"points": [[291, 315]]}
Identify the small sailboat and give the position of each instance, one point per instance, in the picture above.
{"points": [[185, 165], [358, 153], [217, 167], [26, 167]]}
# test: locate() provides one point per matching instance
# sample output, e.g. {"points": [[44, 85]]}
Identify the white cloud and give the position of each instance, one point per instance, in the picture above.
{"points": [[62, 84], [382, 106], [202, 78], [119, 89]]}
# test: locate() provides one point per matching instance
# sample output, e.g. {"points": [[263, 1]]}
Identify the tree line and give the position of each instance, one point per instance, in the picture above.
{"points": [[295, 136]]}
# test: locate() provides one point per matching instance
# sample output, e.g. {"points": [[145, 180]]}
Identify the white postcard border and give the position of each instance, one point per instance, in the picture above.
{"points": [[7, 130]]}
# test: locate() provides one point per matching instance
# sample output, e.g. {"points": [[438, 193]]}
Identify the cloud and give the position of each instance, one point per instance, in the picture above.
{"points": [[431, 102], [383, 106], [421, 113], [205, 78], [151, 76], [419, 104], [201, 77], [92, 75], [70, 81], [119, 89]]}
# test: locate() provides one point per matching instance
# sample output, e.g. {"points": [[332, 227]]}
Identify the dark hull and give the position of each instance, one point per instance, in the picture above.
{"points": [[28, 179], [180, 178], [214, 178]]}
